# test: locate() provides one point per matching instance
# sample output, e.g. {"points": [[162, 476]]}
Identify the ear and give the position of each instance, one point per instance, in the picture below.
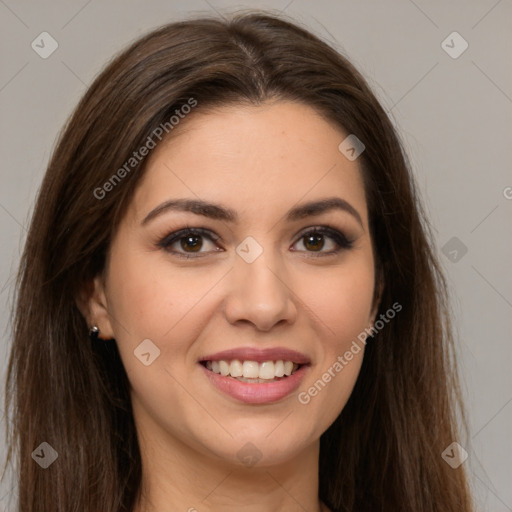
{"points": [[92, 303]]}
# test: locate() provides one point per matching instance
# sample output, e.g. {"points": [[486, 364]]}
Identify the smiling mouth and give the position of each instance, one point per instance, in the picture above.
{"points": [[252, 371]]}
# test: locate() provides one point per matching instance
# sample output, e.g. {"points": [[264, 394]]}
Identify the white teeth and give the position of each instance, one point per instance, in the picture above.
{"points": [[279, 368], [224, 368], [252, 371], [267, 370], [236, 369]]}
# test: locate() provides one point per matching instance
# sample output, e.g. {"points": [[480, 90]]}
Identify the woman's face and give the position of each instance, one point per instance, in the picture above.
{"points": [[252, 285]]}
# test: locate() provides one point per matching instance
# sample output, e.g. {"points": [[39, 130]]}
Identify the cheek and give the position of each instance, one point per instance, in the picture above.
{"points": [[157, 303], [150, 299], [165, 304], [342, 302]]}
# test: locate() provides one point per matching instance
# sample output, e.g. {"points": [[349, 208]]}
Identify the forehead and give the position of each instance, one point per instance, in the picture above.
{"points": [[257, 158]]}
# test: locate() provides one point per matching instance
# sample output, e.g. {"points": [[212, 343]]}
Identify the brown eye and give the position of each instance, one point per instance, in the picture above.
{"points": [[191, 241], [315, 241]]}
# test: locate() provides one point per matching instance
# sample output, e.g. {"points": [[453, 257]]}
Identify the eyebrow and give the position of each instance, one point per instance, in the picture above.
{"points": [[219, 212]]}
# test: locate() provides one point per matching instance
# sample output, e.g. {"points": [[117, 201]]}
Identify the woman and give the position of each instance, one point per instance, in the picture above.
{"points": [[230, 219]]}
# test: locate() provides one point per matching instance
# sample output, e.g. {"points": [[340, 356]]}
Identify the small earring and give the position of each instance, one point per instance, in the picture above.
{"points": [[94, 332]]}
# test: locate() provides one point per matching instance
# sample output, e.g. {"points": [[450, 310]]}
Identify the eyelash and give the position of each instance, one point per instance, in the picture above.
{"points": [[339, 238]]}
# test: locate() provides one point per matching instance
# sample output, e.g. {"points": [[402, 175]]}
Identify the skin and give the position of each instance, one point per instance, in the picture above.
{"points": [[260, 161]]}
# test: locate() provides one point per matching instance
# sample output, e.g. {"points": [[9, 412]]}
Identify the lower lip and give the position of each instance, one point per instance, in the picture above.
{"points": [[256, 393]]}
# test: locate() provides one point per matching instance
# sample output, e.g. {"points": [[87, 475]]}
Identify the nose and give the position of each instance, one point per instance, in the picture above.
{"points": [[258, 294]]}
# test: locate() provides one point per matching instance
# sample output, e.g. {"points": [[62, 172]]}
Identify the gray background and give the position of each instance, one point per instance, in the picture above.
{"points": [[454, 115]]}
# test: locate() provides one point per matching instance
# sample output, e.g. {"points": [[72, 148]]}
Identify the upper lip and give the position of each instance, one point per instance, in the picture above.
{"points": [[259, 355]]}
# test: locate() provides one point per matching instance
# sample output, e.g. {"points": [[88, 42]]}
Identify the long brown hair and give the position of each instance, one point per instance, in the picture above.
{"points": [[383, 452]]}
